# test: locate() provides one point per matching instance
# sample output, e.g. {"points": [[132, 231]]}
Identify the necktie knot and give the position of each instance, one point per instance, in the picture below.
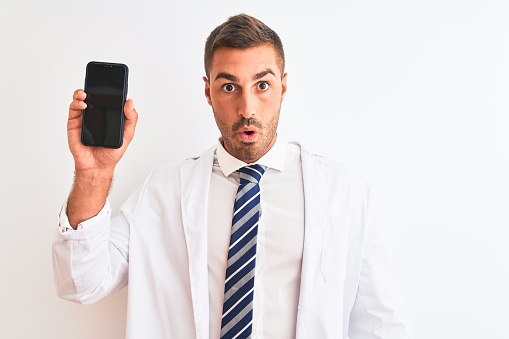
{"points": [[251, 173]]}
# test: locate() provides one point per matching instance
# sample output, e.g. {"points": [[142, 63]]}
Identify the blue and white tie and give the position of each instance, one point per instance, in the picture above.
{"points": [[237, 316]]}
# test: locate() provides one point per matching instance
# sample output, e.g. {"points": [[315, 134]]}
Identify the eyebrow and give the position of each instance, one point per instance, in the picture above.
{"points": [[233, 78], [264, 73], [226, 76]]}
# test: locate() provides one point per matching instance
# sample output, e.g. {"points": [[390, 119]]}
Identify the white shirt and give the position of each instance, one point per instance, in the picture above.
{"points": [[159, 243], [279, 243]]}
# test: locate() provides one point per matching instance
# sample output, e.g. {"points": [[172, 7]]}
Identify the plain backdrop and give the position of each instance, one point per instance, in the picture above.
{"points": [[411, 94]]}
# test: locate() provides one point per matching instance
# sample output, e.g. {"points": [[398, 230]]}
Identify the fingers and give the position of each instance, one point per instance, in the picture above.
{"points": [[131, 118], [78, 104], [79, 94]]}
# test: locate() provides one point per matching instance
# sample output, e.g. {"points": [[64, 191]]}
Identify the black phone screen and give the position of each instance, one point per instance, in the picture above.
{"points": [[103, 119]]}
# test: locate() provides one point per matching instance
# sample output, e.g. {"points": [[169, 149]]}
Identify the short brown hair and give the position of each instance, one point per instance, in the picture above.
{"points": [[242, 31]]}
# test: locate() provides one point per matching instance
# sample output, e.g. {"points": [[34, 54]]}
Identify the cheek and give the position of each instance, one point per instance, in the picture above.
{"points": [[222, 114], [221, 102], [270, 105], [226, 110], [273, 98]]}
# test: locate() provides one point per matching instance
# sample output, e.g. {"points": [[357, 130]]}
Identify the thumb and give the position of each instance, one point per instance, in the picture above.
{"points": [[131, 118]]}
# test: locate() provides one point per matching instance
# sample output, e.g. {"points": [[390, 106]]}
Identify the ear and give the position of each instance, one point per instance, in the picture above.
{"points": [[207, 90], [283, 86]]}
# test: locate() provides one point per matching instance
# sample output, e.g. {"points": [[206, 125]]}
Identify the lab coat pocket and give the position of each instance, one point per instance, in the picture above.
{"points": [[335, 249]]}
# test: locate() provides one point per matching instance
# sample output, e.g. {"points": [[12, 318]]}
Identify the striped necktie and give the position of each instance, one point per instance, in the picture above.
{"points": [[237, 316]]}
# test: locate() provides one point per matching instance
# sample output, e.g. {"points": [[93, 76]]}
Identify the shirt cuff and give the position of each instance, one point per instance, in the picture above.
{"points": [[65, 226]]}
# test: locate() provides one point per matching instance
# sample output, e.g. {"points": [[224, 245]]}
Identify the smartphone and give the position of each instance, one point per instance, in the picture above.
{"points": [[103, 119]]}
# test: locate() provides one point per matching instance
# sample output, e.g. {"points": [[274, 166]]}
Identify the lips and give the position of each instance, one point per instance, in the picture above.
{"points": [[247, 130], [247, 133]]}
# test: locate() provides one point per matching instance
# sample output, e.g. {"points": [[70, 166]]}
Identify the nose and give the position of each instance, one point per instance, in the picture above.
{"points": [[247, 104]]}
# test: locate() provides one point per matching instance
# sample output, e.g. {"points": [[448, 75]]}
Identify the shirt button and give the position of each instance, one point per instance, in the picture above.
{"points": [[255, 330]]}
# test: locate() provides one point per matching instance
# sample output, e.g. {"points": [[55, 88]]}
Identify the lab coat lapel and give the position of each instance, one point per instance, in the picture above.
{"points": [[195, 183], [315, 174]]}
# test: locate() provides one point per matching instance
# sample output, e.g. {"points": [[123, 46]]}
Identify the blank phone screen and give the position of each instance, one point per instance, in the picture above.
{"points": [[103, 119]]}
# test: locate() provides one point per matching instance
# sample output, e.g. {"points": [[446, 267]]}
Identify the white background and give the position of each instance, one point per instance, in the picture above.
{"points": [[412, 94]]}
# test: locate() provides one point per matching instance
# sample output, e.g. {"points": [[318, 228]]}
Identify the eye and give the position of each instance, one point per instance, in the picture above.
{"points": [[263, 86], [228, 88]]}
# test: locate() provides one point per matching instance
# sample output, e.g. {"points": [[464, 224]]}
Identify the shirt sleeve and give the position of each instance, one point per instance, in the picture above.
{"points": [[90, 262], [65, 226], [378, 311]]}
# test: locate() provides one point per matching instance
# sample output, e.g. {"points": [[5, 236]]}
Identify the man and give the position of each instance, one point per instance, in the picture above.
{"points": [[301, 258]]}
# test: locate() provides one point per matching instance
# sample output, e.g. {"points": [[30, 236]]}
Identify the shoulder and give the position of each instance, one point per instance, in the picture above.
{"points": [[173, 170], [163, 184], [168, 175], [319, 159], [170, 169], [338, 173]]}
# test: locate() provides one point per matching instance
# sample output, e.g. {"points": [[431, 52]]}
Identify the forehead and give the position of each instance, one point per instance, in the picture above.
{"points": [[247, 61]]}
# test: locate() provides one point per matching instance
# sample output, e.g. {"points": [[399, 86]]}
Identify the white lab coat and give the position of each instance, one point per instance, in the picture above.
{"points": [[159, 245]]}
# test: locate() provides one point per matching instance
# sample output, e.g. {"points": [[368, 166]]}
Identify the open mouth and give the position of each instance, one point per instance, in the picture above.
{"points": [[248, 135]]}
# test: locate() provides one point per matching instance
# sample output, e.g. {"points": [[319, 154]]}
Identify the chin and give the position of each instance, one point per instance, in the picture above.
{"points": [[246, 155]]}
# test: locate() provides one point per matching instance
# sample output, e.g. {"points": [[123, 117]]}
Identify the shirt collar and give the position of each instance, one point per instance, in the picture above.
{"points": [[274, 158]]}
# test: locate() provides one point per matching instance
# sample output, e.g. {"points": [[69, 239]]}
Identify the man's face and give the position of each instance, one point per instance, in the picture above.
{"points": [[246, 90]]}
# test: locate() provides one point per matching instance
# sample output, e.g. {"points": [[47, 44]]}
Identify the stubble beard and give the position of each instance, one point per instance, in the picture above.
{"points": [[248, 151]]}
